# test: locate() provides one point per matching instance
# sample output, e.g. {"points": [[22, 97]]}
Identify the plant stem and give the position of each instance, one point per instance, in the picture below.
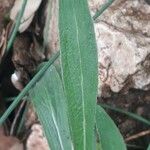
{"points": [[102, 9], [18, 21]]}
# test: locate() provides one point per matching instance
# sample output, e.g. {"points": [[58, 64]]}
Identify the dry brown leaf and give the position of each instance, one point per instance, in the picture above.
{"points": [[51, 34], [5, 6], [4, 38], [2, 44], [31, 7], [26, 57]]}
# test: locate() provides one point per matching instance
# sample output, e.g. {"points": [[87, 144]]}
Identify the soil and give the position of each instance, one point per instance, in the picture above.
{"points": [[136, 101]]}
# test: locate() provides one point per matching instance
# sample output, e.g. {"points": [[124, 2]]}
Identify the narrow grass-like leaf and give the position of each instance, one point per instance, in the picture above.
{"points": [[50, 104], [79, 69], [132, 115], [27, 88], [110, 137], [135, 147], [102, 9], [17, 23]]}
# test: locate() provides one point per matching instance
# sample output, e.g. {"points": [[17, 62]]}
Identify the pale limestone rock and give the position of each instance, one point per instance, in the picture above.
{"points": [[123, 40], [10, 143], [37, 140]]}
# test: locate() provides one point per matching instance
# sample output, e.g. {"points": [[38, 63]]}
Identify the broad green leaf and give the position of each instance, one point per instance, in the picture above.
{"points": [[49, 102], [79, 69], [110, 137]]}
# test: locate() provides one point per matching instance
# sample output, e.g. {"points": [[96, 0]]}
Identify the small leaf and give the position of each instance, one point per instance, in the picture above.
{"points": [[110, 137], [49, 102], [79, 69]]}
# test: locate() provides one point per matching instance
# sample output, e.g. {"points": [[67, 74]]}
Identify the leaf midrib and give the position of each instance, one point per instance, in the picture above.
{"points": [[54, 121]]}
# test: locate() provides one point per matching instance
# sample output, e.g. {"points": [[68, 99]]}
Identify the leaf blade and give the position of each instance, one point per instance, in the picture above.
{"points": [[79, 69], [110, 137]]}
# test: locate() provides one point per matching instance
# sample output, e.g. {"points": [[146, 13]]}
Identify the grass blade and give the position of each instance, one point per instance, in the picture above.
{"points": [[102, 9], [49, 102], [79, 69], [110, 137], [27, 88], [17, 24], [132, 115]]}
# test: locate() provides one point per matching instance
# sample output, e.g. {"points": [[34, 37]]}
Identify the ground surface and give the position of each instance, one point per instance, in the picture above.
{"points": [[136, 101]]}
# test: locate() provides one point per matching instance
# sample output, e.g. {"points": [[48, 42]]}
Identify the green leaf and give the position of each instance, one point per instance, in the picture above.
{"points": [[102, 9], [110, 137], [98, 146], [148, 147], [79, 70], [49, 102], [127, 113]]}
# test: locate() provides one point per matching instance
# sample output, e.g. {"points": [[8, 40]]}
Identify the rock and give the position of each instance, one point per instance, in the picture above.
{"points": [[147, 1], [37, 140], [123, 41], [10, 143]]}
